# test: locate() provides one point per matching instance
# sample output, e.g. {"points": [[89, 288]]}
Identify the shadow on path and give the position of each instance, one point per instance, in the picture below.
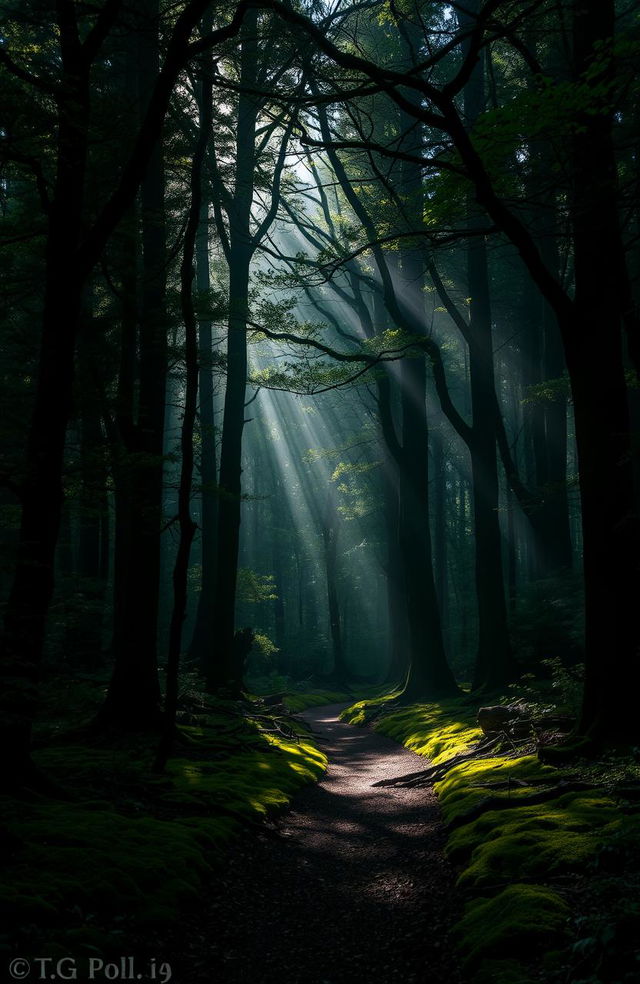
{"points": [[353, 887]]}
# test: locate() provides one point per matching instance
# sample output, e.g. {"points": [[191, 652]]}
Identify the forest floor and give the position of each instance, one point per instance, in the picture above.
{"points": [[351, 885]]}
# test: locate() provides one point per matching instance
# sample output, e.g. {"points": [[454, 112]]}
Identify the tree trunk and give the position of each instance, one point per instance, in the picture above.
{"points": [[594, 351], [429, 675], [187, 527], [493, 657], [223, 671], [329, 529], [41, 492], [133, 698], [203, 641]]}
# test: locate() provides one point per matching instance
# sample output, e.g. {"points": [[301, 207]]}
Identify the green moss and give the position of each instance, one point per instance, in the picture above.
{"points": [[519, 918], [501, 972], [363, 711], [501, 848], [100, 863], [299, 702], [467, 785], [531, 841], [429, 730], [438, 731], [135, 848]]}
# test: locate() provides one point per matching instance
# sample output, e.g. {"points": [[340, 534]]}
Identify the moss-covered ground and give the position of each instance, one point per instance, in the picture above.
{"points": [[553, 887], [295, 702], [129, 849]]}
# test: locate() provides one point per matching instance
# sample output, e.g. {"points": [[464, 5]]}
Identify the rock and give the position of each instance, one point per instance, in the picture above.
{"points": [[497, 718]]}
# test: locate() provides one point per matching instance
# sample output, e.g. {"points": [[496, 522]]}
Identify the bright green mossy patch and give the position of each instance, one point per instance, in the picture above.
{"points": [[252, 782], [532, 841], [132, 848], [520, 916], [515, 855], [467, 785], [437, 730], [365, 710]]}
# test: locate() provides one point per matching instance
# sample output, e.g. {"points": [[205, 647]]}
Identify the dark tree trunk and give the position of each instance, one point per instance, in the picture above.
{"points": [[594, 352], [440, 545], [556, 551], [429, 674], [134, 691], [187, 527], [546, 420], [281, 521], [72, 250], [223, 671], [203, 641], [493, 658], [329, 529], [41, 492], [396, 674], [93, 516], [395, 580]]}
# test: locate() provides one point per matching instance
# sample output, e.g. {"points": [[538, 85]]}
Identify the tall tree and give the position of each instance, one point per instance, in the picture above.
{"points": [[134, 690], [241, 235], [493, 659], [74, 243]]}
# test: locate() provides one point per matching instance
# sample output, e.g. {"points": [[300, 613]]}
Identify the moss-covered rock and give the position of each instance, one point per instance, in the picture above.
{"points": [[520, 918], [468, 785], [531, 841]]}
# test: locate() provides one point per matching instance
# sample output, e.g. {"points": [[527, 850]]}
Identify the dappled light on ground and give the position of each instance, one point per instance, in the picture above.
{"points": [[354, 886]]}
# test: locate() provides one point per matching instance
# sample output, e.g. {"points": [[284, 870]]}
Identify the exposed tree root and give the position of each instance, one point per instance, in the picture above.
{"points": [[484, 749], [502, 803]]}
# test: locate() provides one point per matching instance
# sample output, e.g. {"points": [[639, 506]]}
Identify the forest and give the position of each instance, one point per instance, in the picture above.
{"points": [[320, 430]]}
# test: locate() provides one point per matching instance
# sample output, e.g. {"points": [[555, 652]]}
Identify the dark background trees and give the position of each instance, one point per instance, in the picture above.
{"points": [[412, 280], [319, 357]]}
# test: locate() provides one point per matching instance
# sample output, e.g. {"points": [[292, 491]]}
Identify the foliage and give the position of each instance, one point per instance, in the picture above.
{"points": [[255, 588], [133, 848], [262, 658], [562, 692], [548, 622]]}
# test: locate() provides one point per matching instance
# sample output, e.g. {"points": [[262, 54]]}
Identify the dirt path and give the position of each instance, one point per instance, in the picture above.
{"points": [[354, 886]]}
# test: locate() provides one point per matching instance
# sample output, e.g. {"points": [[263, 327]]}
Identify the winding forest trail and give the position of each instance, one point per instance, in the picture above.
{"points": [[353, 887]]}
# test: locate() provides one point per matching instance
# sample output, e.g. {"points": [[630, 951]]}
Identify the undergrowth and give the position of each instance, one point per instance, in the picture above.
{"points": [[559, 877], [129, 849]]}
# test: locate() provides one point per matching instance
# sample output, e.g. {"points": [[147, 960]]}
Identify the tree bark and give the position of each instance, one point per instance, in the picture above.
{"points": [[223, 671], [41, 491], [203, 641], [329, 529], [133, 698], [186, 525], [594, 350], [73, 248], [493, 656]]}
